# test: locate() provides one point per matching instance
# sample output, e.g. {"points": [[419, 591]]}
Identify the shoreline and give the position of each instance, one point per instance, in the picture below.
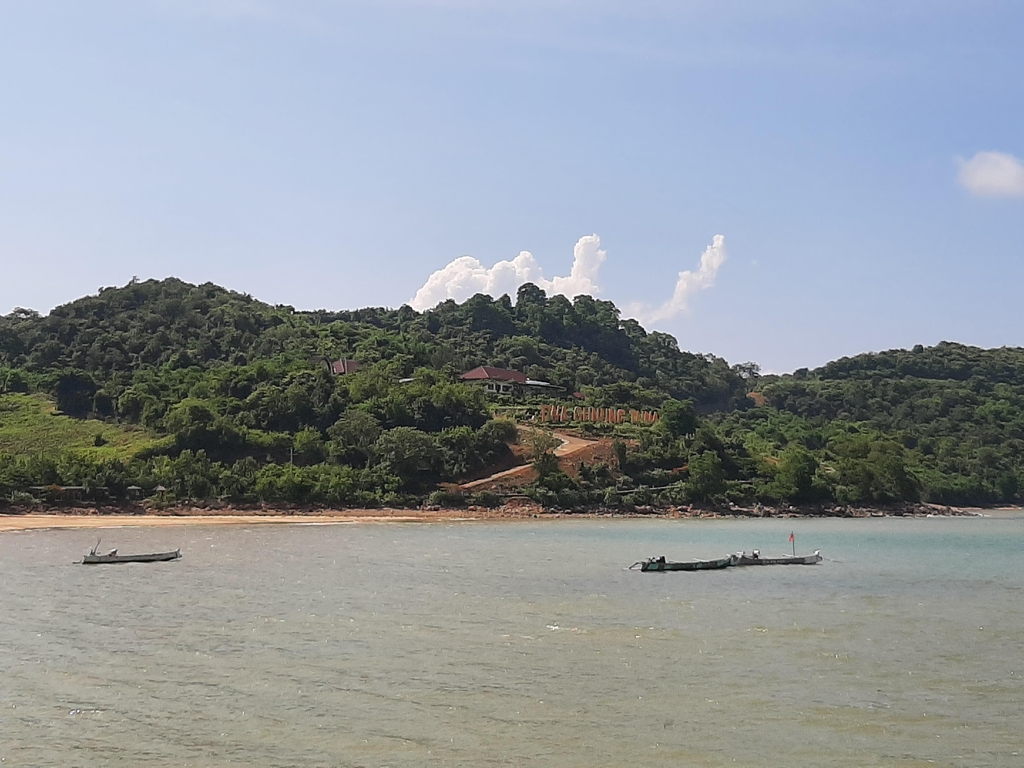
{"points": [[93, 518]]}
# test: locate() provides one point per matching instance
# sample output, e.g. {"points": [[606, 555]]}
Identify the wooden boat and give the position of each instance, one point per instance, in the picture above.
{"points": [[755, 558], [661, 564], [94, 558]]}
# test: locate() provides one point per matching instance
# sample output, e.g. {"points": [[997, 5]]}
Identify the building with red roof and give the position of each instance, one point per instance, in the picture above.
{"points": [[501, 381], [497, 381], [341, 367]]}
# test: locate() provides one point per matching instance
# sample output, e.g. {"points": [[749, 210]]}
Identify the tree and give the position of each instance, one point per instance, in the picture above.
{"points": [[678, 418], [466, 450], [707, 480], [75, 392], [411, 455], [539, 442], [621, 454], [1008, 486], [546, 465], [189, 416], [309, 445], [12, 380], [795, 480], [875, 470], [353, 435], [892, 480]]}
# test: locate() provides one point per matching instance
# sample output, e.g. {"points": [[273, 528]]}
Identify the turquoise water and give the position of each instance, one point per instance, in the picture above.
{"points": [[516, 644]]}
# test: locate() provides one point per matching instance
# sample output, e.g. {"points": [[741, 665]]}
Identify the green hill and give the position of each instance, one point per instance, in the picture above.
{"points": [[170, 325], [214, 394], [30, 424]]}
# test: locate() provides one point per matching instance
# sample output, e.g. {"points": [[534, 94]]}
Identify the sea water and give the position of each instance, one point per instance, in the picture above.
{"points": [[516, 643]]}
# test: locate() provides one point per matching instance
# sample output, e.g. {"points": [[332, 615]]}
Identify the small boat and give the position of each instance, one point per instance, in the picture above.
{"points": [[94, 558], [755, 558], [661, 564]]}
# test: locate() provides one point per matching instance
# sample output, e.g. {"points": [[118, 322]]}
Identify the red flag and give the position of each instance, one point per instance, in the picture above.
{"points": [[791, 537]]}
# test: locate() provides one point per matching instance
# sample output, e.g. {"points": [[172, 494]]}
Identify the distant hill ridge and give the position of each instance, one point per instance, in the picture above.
{"points": [[235, 392], [172, 323], [154, 321]]}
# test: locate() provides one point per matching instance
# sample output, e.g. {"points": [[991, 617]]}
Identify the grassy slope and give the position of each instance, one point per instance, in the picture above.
{"points": [[29, 424]]}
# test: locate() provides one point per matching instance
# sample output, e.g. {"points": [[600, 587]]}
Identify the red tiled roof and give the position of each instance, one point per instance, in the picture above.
{"points": [[340, 367], [495, 374]]}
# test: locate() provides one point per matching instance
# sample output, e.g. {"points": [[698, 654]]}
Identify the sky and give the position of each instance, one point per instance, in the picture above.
{"points": [[785, 185]]}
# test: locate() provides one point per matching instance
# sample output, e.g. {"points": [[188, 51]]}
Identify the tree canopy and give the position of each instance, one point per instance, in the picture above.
{"points": [[240, 402]]}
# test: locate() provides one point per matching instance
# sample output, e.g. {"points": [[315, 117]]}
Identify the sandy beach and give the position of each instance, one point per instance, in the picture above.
{"points": [[37, 522], [90, 518]]}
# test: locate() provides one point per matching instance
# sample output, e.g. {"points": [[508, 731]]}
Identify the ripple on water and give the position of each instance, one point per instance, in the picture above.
{"points": [[516, 644]]}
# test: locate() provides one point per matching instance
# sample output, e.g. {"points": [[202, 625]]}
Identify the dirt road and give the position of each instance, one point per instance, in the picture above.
{"points": [[570, 445]]}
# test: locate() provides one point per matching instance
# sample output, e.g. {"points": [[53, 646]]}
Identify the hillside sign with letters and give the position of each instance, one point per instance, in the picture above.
{"points": [[563, 413]]}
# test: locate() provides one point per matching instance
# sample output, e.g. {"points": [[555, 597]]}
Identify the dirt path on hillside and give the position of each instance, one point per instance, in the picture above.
{"points": [[570, 445]]}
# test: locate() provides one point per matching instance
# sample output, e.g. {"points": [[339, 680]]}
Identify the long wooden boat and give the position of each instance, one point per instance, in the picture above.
{"points": [[756, 558], [661, 564], [153, 557]]}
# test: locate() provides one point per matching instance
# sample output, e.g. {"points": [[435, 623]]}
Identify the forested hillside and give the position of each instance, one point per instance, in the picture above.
{"points": [[227, 397], [954, 414]]}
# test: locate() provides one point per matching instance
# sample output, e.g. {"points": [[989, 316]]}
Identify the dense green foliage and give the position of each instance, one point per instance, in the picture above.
{"points": [[246, 407], [212, 394], [943, 424], [947, 420]]}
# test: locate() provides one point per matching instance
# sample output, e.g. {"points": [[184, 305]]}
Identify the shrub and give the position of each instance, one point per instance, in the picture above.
{"points": [[487, 499], [446, 499]]}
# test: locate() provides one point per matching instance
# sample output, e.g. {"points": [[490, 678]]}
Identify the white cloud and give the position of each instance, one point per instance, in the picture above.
{"points": [[466, 276], [689, 283], [993, 174]]}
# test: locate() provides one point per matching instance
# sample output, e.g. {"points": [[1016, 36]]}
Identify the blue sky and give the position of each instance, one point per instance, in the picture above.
{"points": [[336, 154]]}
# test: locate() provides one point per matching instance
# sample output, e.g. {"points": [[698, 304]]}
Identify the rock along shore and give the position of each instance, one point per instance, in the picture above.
{"points": [[81, 515]]}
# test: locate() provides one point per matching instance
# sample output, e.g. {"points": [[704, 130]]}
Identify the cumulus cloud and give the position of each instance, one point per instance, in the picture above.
{"points": [[689, 283], [993, 174], [466, 276]]}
